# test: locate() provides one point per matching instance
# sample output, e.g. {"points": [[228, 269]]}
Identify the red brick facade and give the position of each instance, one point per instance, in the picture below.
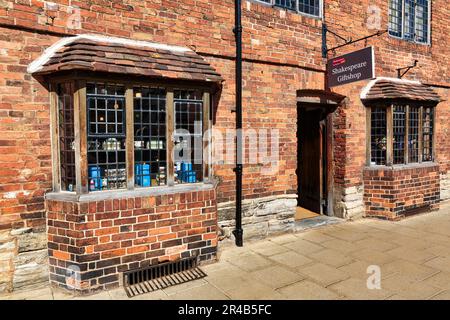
{"points": [[282, 54], [389, 193], [101, 239]]}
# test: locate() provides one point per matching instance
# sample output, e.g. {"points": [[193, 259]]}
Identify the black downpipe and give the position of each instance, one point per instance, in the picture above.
{"points": [[238, 232]]}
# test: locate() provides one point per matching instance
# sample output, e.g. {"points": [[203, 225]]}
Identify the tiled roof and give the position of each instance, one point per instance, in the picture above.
{"points": [[115, 55], [385, 88]]}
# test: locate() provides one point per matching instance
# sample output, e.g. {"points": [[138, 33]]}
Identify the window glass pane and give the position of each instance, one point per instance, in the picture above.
{"points": [[399, 127], [395, 18], [188, 136], [413, 134], [409, 19], [150, 165], [288, 4], [421, 31], [311, 7], [378, 136], [106, 136], [427, 137], [66, 136]]}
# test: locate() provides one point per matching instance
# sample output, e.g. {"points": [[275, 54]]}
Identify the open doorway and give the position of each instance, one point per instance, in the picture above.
{"points": [[314, 152], [312, 161]]}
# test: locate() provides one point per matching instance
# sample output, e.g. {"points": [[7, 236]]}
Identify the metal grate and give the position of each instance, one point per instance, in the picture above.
{"points": [[161, 276]]}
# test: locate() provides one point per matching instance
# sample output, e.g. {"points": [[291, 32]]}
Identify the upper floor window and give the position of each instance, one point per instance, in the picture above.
{"points": [[309, 7], [410, 20], [401, 134]]}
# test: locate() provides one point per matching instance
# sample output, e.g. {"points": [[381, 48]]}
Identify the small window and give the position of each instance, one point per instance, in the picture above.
{"points": [[288, 4], [411, 130], [378, 136], [188, 136], [106, 136], [409, 20], [427, 134], [310, 7], [399, 127], [66, 136], [150, 167]]}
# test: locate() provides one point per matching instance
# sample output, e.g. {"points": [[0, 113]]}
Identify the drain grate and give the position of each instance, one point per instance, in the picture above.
{"points": [[161, 276]]}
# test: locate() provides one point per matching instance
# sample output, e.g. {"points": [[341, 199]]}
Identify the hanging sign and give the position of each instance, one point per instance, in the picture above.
{"points": [[355, 66]]}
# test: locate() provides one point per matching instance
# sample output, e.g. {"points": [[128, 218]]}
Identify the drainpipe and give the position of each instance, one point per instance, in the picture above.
{"points": [[238, 232]]}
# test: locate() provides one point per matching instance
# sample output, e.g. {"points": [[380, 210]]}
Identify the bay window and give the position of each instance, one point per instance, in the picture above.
{"points": [[400, 134], [119, 135]]}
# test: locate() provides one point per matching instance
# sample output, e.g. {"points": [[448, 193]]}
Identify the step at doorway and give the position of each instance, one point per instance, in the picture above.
{"points": [[303, 213]]}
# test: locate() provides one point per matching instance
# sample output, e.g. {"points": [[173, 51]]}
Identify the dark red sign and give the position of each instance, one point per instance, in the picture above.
{"points": [[355, 66]]}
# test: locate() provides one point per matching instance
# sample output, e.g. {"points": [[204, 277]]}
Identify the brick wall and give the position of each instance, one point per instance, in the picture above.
{"points": [[282, 54], [103, 238], [390, 192]]}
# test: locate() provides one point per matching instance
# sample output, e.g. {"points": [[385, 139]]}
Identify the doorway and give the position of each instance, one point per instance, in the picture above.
{"points": [[313, 149]]}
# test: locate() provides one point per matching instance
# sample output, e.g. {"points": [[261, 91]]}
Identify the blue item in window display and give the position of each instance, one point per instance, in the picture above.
{"points": [[95, 175], [142, 175]]}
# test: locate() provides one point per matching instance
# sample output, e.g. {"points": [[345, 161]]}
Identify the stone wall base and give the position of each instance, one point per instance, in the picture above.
{"points": [[23, 259], [445, 186], [349, 202], [260, 217]]}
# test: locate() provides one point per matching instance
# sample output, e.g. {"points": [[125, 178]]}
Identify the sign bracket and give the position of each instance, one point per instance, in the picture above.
{"points": [[400, 74], [348, 41]]}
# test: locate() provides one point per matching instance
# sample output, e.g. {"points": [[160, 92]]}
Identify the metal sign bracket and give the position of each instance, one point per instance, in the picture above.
{"points": [[348, 41]]}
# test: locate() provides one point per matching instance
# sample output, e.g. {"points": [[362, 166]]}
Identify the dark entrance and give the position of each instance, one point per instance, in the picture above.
{"points": [[314, 151], [312, 159]]}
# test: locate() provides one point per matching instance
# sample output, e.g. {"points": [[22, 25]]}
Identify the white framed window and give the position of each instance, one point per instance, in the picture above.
{"points": [[308, 7], [410, 20]]}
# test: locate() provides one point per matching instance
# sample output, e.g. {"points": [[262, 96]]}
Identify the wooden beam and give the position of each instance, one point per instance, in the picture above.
{"points": [[170, 124], [406, 134], [129, 144], [80, 126], [420, 134], [206, 131], [368, 136], [389, 135], [54, 129]]}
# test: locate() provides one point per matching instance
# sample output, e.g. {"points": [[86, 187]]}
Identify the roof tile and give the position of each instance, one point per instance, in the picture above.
{"points": [[101, 56], [395, 89]]}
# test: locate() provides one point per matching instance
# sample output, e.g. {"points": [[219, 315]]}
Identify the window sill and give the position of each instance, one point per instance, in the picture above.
{"points": [[402, 166], [141, 192]]}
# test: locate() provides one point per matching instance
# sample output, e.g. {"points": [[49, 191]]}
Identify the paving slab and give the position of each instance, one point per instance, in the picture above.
{"points": [[331, 257], [291, 259], [323, 274], [307, 290], [204, 292], [356, 289], [277, 276]]}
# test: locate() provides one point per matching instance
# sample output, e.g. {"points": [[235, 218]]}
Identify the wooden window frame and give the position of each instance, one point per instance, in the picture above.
{"points": [[389, 134], [80, 127]]}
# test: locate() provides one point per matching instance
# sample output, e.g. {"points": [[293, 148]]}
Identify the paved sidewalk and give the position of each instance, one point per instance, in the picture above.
{"points": [[330, 262]]}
